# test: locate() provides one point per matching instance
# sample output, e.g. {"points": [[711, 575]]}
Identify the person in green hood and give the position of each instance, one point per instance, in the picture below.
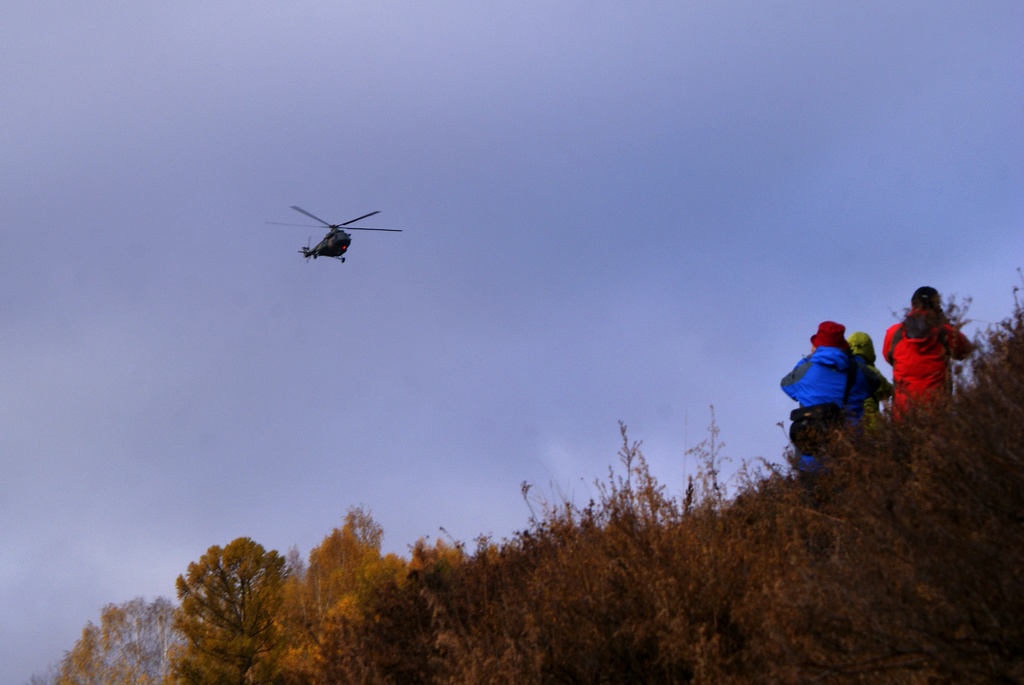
{"points": [[862, 346]]}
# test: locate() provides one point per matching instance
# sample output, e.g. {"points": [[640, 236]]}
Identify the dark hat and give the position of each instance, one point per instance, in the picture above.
{"points": [[924, 296], [830, 334]]}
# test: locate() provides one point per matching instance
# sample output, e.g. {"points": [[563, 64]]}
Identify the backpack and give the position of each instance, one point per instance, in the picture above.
{"points": [[901, 333], [812, 425]]}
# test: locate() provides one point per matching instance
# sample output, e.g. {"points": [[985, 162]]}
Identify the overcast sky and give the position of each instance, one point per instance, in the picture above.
{"points": [[611, 212]]}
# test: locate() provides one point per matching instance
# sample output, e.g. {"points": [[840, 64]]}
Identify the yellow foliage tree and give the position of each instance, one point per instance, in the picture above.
{"points": [[131, 646], [230, 599], [332, 591]]}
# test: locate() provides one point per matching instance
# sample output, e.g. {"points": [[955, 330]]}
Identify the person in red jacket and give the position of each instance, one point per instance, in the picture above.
{"points": [[920, 348]]}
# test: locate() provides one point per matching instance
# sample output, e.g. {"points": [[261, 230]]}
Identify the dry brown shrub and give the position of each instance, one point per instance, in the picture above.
{"points": [[902, 563], [918, 547]]}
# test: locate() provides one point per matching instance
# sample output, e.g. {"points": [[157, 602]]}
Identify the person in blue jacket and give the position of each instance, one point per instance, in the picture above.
{"points": [[830, 375]]}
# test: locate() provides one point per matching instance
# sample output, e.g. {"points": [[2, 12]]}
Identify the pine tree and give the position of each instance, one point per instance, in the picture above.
{"points": [[229, 604]]}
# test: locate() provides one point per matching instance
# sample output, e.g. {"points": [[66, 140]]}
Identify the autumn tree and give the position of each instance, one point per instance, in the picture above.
{"points": [[229, 602], [332, 592], [131, 646]]}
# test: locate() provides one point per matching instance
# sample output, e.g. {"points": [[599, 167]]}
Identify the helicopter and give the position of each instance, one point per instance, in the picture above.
{"points": [[337, 240]]}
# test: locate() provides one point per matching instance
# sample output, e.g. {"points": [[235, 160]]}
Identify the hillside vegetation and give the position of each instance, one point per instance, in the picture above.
{"points": [[902, 563]]}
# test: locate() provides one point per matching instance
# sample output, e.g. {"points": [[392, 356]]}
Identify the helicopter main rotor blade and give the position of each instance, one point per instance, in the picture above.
{"points": [[362, 217], [360, 228], [278, 223], [300, 210]]}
